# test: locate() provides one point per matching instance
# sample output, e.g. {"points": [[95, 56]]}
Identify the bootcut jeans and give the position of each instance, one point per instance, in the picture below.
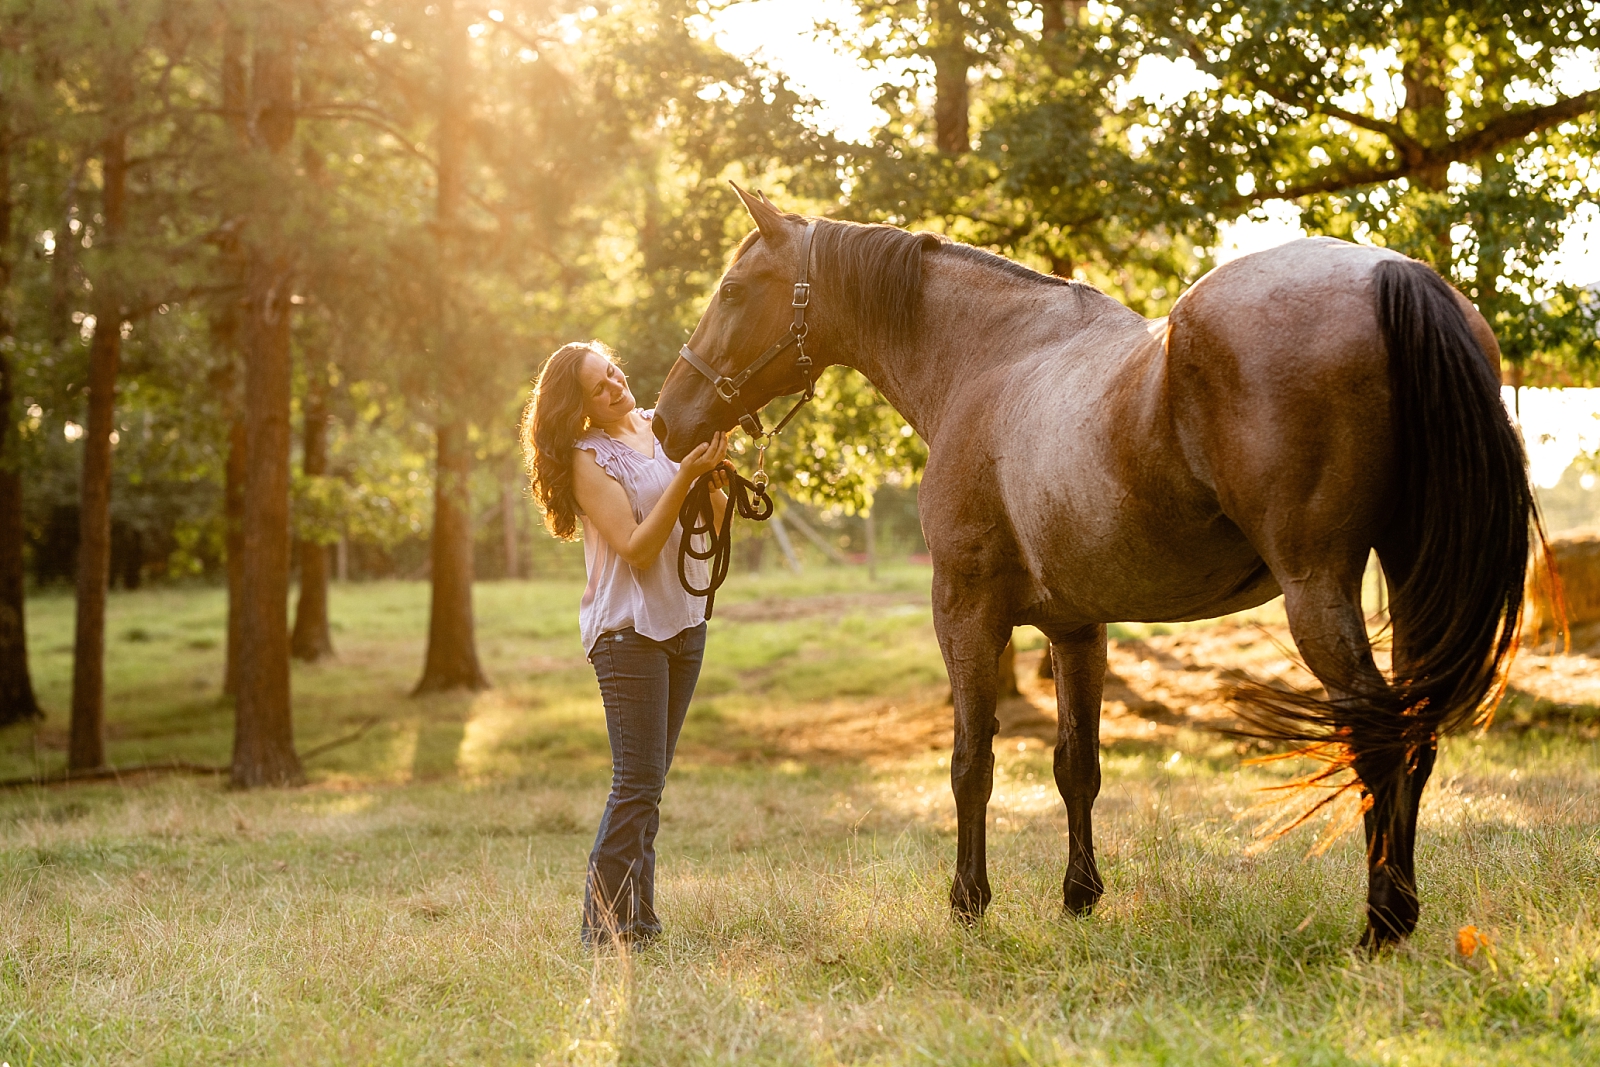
{"points": [[646, 686]]}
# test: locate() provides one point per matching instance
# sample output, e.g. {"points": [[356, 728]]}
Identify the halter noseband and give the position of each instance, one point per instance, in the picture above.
{"points": [[728, 388]]}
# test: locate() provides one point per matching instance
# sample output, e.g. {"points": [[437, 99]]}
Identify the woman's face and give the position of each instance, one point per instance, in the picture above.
{"points": [[606, 396]]}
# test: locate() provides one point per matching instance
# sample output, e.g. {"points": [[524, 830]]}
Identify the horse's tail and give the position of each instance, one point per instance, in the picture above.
{"points": [[1466, 516], [1458, 545]]}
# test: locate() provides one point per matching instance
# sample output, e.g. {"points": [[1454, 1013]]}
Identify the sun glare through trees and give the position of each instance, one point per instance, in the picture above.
{"points": [[281, 627]]}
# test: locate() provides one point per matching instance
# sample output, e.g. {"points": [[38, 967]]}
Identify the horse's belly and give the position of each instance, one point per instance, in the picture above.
{"points": [[1136, 578], [1254, 591]]}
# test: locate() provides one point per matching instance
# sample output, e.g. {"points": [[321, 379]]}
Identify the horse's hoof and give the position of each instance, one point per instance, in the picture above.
{"points": [[968, 905], [1078, 897], [1390, 920], [1379, 936], [1081, 907]]}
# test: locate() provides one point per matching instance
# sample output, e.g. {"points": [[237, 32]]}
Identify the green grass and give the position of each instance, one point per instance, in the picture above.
{"points": [[417, 902]]}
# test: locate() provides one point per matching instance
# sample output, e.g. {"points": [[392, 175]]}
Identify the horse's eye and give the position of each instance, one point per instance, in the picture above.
{"points": [[730, 293]]}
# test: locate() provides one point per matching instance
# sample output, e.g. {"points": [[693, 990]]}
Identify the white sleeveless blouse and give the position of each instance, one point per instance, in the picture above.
{"points": [[619, 595]]}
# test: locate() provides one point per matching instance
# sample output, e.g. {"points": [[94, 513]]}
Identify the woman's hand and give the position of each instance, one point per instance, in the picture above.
{"points": [[705, 458]]}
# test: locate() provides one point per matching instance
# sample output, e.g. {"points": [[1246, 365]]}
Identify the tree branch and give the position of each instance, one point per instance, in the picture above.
{"points": [[1497, 134], [339, 111], [1519, 124], [1333, 183], [1391, 130]]}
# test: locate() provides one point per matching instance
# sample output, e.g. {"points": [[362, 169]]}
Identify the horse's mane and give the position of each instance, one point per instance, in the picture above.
{"points": [[877, 270]]}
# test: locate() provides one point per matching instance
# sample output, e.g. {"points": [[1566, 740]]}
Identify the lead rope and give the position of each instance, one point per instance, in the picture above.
{"points": [[747, 496]]}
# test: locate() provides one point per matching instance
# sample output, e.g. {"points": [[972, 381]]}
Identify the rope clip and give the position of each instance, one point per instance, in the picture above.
{"points": [[759, 478]]}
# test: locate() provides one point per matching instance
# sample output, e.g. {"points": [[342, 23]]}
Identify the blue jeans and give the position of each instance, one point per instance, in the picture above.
{"points": [[646, 686]]}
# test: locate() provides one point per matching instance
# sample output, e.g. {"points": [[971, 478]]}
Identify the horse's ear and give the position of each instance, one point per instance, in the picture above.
{"points": [[768, 219]]}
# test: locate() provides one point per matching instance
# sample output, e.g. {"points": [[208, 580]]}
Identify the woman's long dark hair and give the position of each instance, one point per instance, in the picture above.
{"points": [[551, 424]]}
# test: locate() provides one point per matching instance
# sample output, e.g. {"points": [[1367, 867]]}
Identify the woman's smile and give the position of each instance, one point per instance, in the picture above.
{"points": [[606, 396]]}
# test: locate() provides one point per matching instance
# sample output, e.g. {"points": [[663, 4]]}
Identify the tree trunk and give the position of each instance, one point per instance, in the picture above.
{"points": [[312, 639], [233, 547], [452, 657], [235, 105], [17, 700], [872, 545], [130, 565], [58, 327], [951, 65], [86, 746], [1006, 673], [452, 661], [263, 741], [509, 503], [1059, 14]]}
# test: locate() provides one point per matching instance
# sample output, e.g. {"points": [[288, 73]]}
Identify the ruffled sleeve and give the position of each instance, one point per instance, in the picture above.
{"points": [[607, 453]]}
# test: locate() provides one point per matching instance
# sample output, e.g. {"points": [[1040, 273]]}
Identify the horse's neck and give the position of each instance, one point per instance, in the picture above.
{"points": [[973, 319]]}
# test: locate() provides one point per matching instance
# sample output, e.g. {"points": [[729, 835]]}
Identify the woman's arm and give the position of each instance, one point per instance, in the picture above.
{"points": [[604, 502]]}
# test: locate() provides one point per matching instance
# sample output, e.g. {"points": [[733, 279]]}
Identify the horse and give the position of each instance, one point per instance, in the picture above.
{"points": [[1298, 409]]}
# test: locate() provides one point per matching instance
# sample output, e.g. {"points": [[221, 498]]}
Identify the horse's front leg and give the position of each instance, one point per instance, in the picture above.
{"points": [[1080, 669], [971, 636]]}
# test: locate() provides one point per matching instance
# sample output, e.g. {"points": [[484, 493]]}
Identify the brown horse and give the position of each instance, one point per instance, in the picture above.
{"points": [[1298, 409]]}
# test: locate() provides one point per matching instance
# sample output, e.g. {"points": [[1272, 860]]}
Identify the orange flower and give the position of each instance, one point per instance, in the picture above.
{"points": [[1469, 940]]}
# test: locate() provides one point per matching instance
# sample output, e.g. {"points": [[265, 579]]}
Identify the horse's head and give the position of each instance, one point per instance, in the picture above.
{"points": [[753, 310]]}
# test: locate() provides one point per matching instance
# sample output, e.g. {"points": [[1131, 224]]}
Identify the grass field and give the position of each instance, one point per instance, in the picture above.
{"points": [[417, 902]]}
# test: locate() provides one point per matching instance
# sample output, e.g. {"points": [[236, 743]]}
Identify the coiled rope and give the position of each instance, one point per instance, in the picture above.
{"points": [[698, 517]]}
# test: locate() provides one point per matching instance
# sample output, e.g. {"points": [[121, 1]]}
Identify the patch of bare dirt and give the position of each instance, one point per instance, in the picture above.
{"points": [[866, 731], [1157, 686], [1560, 679]]}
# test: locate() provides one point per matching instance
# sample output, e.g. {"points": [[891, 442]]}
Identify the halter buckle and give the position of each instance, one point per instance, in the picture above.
{"points": [[802, 295]]}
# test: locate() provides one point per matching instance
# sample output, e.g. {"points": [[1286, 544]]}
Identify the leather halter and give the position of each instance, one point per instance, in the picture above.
{"points": [[728, 388]]}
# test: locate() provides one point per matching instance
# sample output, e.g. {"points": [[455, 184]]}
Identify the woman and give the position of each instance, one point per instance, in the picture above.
{"points": [[593, 459]]}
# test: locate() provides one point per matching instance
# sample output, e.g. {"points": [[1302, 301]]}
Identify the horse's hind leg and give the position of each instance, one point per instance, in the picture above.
{"points": [[972, 633], [1080, 670], [1394, 781], [1324, 609]]}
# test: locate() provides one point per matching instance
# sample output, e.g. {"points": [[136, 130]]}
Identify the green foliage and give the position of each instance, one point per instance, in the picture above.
{"points": [[843, 445], [1056, 179], [1442, 130], [589, 201]]}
